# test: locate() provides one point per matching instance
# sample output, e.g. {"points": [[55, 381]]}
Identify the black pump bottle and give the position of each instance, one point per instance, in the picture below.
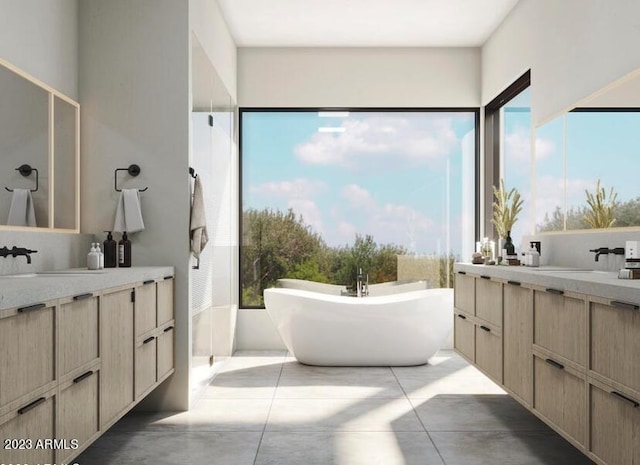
{"points": [[110, 250], [124, 251]]}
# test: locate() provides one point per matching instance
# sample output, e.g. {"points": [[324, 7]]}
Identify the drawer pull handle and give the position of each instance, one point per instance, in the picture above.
{"points": [[170, 328], [462, 317], [31, 308], [551, 290], [168, 277], [31, 406], [82, 377], [485, 328], [625, 399], [149, 281], [462, 272], [514, 283], [83, 296], [624, 305], [148, 340], [555, 364], [484, 276]]}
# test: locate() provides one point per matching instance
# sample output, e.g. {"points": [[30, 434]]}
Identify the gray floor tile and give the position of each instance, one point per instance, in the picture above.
{"points": [[144, 448], [475, 413], [301, 381], [508, 448], [303, 415], [356, 448], [205, 415], [461, 382]]}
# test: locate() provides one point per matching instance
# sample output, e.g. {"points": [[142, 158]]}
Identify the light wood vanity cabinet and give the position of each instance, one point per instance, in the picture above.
{"points": [[116, 355], [27, 357], [489, 300], [572, 359], [489, 351], [154, 336], [34, 420], [464, 293], [517, 334], [615, 425], [71, 367], [560, 323], [560, 397], [464, 336], [616, 358], [478, 322]]}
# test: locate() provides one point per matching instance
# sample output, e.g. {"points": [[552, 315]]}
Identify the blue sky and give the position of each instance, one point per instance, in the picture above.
{"points": [[385, 175]]}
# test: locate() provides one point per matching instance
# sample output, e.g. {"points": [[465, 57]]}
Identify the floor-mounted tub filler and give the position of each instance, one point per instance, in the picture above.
{"points": [[398, 329]]}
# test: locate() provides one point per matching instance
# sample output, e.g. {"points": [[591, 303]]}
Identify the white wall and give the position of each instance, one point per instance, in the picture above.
{"points": [[573, 47], [40, 37], [358, 77], [134, 91], [211, 29]]}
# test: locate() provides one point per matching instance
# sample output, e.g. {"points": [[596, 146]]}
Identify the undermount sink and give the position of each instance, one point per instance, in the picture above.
{"points": [[52, 274]]}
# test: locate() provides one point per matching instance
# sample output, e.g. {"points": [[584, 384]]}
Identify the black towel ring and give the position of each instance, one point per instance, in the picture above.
{"points": [[133, 170], [26, 170]]}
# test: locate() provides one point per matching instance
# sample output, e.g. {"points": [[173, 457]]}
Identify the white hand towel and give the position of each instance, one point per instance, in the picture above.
{"points": [[128, 214], [21, 212], [198, 229]]}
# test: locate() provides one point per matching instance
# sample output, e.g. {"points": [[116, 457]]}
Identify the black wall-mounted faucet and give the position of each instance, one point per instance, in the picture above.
{"points": [[16, 252], [606, 251]]}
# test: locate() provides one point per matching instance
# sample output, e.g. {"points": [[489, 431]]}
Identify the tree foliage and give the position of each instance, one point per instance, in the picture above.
{"points": [[625, 214], [280, 245]]}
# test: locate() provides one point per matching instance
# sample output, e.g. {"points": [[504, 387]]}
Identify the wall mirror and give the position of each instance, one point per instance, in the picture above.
{"points": [[39, 154], [592, 148]]}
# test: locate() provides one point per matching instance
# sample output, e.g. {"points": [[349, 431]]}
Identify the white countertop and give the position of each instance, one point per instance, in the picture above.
{"points": [[603, 284], [32, 288]]}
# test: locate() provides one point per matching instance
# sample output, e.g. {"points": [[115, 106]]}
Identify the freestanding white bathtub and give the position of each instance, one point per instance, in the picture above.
{"points": [[400, 329]]}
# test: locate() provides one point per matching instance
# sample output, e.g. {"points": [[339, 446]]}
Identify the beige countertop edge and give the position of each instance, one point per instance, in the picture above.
{"points": [[598, 284], [18, 292]]}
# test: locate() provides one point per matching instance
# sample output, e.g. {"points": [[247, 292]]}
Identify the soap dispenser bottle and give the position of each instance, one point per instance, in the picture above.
{"points": [[92, 258], [124, 247], [100, 256], [110, 250]]}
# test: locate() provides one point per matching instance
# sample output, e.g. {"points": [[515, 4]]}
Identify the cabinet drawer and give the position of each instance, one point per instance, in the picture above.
{"points": [[560, 325], [78, 322], [489, 352], [77, 417], [559, 395], [464, 336], [116, 355], [489, 301], [165, 301], [146, 360], [165, 352], [27, 358], [464, 293], [615, 426], [31, 422], [145, 308], [615, 343], [517, 333]]}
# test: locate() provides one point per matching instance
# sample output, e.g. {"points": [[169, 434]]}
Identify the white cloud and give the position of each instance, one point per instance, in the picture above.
{"points": [[517, 146], [550, 194], [389, 223], [358, 197], [375, 139], [310, 213], [299, 188]]}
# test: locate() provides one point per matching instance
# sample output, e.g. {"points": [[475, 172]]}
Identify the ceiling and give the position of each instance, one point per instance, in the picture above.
{"points": [[363, 23]]}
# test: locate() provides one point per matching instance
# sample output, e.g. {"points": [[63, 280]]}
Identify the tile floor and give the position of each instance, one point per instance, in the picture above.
{"points": [[265, 408]]}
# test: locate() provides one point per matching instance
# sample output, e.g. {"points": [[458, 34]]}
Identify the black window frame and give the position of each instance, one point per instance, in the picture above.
{"points": [[242, 110]]}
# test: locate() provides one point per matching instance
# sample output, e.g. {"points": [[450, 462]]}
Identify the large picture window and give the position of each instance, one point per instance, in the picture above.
{"points": [[325, 193]]}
